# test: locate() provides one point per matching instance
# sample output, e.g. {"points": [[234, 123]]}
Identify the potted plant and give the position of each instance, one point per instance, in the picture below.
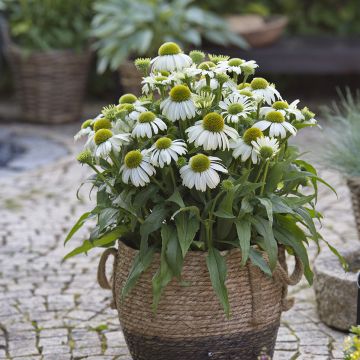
{"points": [[200, 189], [145, 25], [343, 144], [46, 44]]}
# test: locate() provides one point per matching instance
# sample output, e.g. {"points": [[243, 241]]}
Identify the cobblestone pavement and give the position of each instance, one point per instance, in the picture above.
{"points": [[53, 310]]}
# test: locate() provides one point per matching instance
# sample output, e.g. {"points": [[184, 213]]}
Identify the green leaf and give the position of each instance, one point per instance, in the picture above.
{"points": [[226, 205], [174, 254], [243, 228], [275, 176], [266, 203], [257, 259], [194, 209], [279, 205], [264, 228], [187, 226], [107, 217], [164, 275], [218, 270], [104, 240], [83, 218], [152, 223], [224, 214], [290, 235], [305, 216], [342, 260], [177, 199], [140, 264]]}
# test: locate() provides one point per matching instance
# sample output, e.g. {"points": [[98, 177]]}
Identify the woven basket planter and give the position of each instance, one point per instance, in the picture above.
{"points": [[50, 86], [354, 186], [190, 323], [130, 78]]}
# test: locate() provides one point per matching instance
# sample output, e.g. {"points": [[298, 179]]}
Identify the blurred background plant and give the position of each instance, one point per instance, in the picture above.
{"points": [[306, 16], [352, 345], [146, 24], [342, 134], [43, 25]]}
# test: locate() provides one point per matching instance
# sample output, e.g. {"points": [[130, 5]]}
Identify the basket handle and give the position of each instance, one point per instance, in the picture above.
{"points": [[281, 274], [101, 273]]}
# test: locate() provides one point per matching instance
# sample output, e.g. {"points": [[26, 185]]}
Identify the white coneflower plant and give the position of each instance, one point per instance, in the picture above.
{"points": [[203, 151]]}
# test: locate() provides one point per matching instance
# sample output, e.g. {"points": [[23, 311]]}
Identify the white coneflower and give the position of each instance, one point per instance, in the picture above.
{"points": [[191, 71], [309, 116], [164, 150], [179, 105], [106, 141], [208, 68], [86, 129], [150, 83], [285, 108], [133, 110], [137, 168], [275, 121], [201, 172], [211, 132], [248, 67], [147, 125], [236, 106], [261, 89], [266, 147], [232, 65], [214, 84], [242, 147], [170, 58]]}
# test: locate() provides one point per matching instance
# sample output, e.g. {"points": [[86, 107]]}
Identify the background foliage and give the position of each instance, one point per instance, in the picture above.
{"points": [[49, 24], [306, 16]]}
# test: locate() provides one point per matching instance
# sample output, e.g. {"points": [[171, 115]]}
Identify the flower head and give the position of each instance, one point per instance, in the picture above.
{"points": [[211, 132], [164, 150], [147, 125], [202, 172], [262, 90], [236, 107], [179, 105], [197, 56], [275, 122], [243, 148], [266, 147], [102, 123], [106, 142], [137, 168], [170, 58], [127, 99]]}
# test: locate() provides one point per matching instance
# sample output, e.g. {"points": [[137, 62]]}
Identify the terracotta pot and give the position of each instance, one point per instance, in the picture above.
{"points": [[190, 322], [256, 30]]}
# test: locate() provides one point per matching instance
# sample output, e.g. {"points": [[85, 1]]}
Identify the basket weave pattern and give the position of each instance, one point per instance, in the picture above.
{"points": [[50, 86], [130, 78], [190, 322], [354, 186]]}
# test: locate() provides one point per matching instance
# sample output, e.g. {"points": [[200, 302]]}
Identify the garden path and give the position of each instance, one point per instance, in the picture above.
{"points": [[50, 310]]}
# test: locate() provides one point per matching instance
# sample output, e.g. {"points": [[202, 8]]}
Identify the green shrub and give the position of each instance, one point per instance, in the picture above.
{"points": [[48, 24]]}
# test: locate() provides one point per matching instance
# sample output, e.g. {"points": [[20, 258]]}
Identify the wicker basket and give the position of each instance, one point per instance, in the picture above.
{"points": [[354, 186], [190, 322], [130, 78], [50, 86]]}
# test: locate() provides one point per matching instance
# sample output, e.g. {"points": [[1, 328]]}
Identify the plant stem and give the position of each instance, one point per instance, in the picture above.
{"points": [[259, 173], [264, 177], [173, 177], [159, 184], [103, 178]]}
